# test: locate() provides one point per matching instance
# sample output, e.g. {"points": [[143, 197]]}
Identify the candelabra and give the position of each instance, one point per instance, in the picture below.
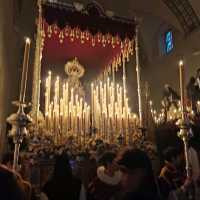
{"points": [[183, 124], [184, 128], [20, 120]]}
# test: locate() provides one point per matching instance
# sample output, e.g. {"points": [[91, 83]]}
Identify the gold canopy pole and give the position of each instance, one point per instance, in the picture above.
{"points": [[37, 67], [138, 71]]}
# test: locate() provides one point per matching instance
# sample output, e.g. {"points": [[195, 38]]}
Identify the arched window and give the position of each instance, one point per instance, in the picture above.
{"points": [[168, 41]]}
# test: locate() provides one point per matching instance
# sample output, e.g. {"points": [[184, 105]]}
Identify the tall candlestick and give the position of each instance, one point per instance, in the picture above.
{"points": [[25, 71], [182, 83], [183, 126]]}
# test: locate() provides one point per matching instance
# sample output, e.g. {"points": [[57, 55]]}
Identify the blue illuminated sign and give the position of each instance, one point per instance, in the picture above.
{"points": [[168, 42]]}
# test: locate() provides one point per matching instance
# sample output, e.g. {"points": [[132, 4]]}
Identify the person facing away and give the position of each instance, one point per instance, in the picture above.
{"points": [[137, 181], [25, 185], [172, 180], [63, 184], [10, 186], [106, 183]]}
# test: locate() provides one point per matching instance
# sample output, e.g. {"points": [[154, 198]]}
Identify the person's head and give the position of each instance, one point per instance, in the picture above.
{"points": [[136, 169], [10, 185], [107, 160], [167, 87], [198, 72], [62, 167], [192, 80], [174, 156]]}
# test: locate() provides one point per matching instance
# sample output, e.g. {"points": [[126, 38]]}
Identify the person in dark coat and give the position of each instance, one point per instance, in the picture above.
{"points": [[172, 180], [138, 181], [63, 185]]}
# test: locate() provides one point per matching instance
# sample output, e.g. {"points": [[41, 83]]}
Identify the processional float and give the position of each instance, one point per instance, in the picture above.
{"points": [[68, 32], [86, 39]]}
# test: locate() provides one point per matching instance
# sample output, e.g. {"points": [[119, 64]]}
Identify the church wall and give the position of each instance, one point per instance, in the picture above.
{"points": [[9, 68], [160, 69]]}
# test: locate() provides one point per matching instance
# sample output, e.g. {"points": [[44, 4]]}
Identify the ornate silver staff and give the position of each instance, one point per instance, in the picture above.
{"points": [[183, 125], [20, 120]]}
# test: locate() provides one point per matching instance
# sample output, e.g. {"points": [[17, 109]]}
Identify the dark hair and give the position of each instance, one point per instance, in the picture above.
{"points": [[10, 187], [170, 153], [107, 158], [133, 159], [62, 167], [192, 80]]}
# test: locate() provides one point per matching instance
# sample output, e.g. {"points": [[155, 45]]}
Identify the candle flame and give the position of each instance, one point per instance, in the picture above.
{"points": [[181, 63], [28, 40]]}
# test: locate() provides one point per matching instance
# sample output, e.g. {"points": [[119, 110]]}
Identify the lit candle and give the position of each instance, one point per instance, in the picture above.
{"points": [[47, 96], [25, 70], [182, 82], [92, 103]]}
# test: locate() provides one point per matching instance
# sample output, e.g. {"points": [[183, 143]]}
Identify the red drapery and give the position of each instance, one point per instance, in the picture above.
{"points": [[95, 53], [98, 41]]}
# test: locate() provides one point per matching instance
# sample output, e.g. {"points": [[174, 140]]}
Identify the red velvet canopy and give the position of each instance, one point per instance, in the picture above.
{"points": [[91, 53], [91, 37]]}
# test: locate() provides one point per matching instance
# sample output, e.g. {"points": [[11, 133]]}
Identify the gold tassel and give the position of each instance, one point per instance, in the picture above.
{"points": [[82, 37], [87, 35], [122, 45], [55, 29], [108, 38], [66, 31], [77, 31], [61, 37], [72, 35], [93, 41], [103, 41], [113, 42], [49, 31], [99, 37]]}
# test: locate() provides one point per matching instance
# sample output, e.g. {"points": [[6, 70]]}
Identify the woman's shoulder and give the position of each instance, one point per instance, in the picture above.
{"points": [[4, 171]]}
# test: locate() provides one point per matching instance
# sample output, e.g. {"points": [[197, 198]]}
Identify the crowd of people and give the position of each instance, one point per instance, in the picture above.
{"points": [[103, 172]]}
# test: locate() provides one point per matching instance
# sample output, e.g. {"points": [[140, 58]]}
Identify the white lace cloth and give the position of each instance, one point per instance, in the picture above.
{"points": [[108, 179]]}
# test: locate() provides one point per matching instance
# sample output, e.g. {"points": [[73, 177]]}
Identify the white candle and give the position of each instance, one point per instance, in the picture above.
{"points": [[25, 70]]}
